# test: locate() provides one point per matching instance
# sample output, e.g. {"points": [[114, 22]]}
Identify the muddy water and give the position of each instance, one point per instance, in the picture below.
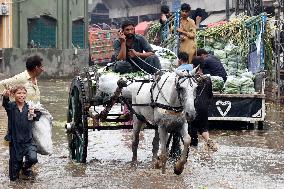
{"points": [[246, 159]]}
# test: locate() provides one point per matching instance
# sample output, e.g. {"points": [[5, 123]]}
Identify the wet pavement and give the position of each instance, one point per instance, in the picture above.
{"points": [[246, 159]]}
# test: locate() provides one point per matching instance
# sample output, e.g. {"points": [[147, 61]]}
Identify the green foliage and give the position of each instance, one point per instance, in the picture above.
{"points": [[153, 32], [217, 83]]}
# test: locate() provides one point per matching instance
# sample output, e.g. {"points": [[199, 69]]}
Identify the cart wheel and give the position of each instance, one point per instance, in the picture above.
{"points": [[260, 125], [77, 117]]}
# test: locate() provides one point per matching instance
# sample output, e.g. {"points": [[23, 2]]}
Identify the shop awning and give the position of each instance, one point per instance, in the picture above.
{"points": [[141, 27], [213, 18]]}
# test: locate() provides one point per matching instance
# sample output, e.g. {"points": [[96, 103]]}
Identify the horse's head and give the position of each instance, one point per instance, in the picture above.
{"points": [[186, 87]]}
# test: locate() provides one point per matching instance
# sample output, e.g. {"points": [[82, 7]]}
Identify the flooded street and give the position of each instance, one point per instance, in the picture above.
{"points": [[246, 159]]}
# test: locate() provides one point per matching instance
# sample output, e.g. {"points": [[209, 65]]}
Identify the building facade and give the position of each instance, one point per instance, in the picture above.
{"points": [[5, 23], [56, 30], [58, 24]]}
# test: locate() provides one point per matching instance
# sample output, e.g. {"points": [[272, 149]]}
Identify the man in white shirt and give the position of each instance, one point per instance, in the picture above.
{"points": [[28, 78]]}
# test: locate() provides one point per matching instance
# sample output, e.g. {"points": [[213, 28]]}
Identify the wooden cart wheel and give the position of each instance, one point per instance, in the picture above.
{"points": [[77, 117]]}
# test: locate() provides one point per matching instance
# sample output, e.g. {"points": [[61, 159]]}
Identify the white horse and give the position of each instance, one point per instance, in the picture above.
{"points": [[172, 104]]}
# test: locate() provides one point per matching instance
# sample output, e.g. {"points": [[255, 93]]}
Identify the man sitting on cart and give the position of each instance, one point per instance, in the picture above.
{"points": [[133, 53]]}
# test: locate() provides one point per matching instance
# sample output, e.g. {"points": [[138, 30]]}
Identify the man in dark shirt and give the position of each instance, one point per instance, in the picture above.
{"points": [[204, 96], [212, 65], [134, 49], [20, 118]]}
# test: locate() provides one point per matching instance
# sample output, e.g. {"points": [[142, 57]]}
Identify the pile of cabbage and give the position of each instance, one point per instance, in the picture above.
{"points": [[230, 42], [242, 84]]}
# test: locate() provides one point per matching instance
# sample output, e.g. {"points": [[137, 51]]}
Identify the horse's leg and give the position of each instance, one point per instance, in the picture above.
{"points": [[135, 138], [179, 166], [163, 135], [155, 144]]}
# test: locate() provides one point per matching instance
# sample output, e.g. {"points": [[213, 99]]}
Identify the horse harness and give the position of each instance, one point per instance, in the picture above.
{"points": [[167, 108]]}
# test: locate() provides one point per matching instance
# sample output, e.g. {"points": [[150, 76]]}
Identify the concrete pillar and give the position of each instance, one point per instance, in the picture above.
{"points": [[86, 19], [6, 26]]}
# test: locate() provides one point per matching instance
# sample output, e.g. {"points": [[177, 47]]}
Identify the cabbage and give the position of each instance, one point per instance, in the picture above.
{"points": [[232, 85], [220, 54], [217, 83]]}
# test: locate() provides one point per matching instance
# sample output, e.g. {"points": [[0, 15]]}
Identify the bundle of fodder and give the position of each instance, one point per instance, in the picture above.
{"points": [[232, 85], [217, 83], [247, 83]]}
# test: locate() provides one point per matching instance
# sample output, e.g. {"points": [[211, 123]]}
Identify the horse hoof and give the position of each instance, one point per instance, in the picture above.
{"points": [[178, 169]]}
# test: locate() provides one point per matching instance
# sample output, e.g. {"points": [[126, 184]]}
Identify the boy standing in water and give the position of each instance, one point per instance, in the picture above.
{"points": [[20, 118]]}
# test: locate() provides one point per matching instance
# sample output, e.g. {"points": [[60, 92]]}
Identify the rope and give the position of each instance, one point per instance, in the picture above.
{"points": [[138, 66], [147, 63]]}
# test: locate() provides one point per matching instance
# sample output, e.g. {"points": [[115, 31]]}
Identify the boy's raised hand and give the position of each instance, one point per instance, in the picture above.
{"points": [[6, 93]]}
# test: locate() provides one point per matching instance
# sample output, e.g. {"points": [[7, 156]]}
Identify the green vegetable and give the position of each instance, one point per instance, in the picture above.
{"points": [[217, 83]]}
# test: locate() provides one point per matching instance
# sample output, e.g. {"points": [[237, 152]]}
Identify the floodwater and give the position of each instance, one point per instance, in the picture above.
{"points": [[246, 159]]}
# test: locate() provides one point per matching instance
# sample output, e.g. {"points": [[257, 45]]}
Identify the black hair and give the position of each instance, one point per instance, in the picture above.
{"points": [[32, 62], [185, 7], [201, 52], [126, 23], [183, 56], [165, 9], [198, 12], [198, 61]]}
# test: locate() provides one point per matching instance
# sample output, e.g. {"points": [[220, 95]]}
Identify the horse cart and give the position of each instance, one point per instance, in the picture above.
{"points": [[82, 96], [89, 109], [168, 105]]}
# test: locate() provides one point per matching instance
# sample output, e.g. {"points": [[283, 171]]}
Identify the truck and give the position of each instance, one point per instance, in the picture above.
{"points": [[249, 37]]}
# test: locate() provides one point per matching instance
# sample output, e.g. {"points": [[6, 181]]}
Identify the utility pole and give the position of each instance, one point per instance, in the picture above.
{"points": [[86, 19], [227, 10], [279, 59]]}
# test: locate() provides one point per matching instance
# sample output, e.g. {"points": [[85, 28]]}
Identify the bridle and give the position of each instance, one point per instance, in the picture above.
{"points": [[159, 86]]}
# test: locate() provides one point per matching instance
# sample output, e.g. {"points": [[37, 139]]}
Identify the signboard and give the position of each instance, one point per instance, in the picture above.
{"points": [[236, 107], [4, 9]]}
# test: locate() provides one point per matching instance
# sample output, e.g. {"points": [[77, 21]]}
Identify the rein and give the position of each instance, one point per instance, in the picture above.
{"points": [[145, 63]]}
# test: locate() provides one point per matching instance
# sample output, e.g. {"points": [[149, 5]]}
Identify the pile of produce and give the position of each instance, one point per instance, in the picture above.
{"points": [[230, 41], [247, 83], [217, 83], [243, 84], [168, 58], [232, 85]]}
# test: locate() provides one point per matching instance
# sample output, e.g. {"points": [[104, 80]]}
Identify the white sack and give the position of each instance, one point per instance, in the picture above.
{"points": [[42, 130], [108, 83]]}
